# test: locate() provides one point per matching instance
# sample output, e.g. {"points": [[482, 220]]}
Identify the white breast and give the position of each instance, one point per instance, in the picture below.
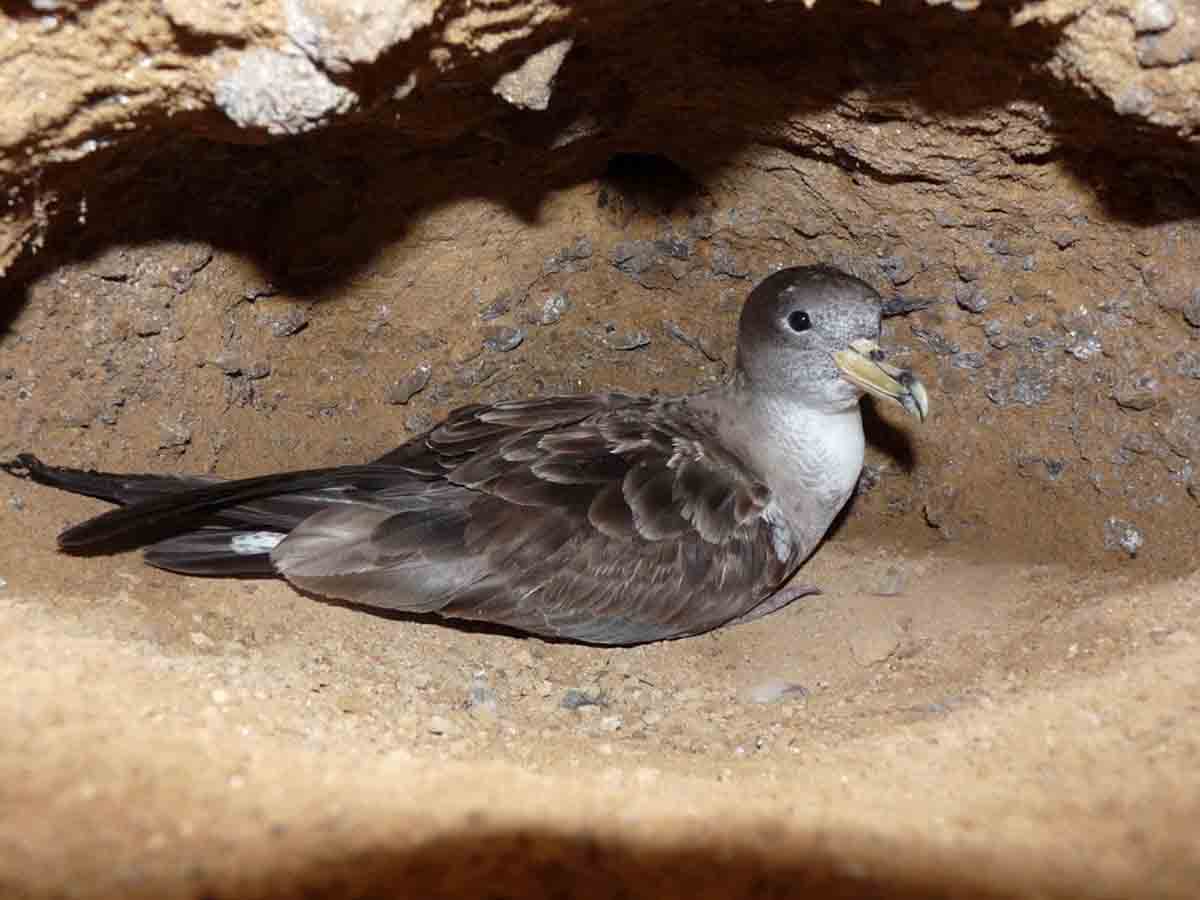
{"points": [[829, 453], [811, 462]]}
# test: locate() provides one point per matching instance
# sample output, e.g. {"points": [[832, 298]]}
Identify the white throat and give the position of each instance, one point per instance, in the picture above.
{"points": [[810, 459]]}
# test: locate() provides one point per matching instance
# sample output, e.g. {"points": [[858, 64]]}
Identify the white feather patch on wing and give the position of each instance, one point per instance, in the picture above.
{"points": [[255, 542]]}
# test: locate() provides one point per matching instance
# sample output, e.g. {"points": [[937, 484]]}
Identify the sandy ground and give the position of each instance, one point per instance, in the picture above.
{"points": [[930, 726]]}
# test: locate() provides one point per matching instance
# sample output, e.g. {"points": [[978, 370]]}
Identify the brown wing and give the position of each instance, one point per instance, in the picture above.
{"points": [[605, 519]]}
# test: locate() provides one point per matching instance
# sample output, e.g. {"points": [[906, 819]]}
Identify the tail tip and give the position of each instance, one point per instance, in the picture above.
{"points": [[23, 465], [75, 538]]}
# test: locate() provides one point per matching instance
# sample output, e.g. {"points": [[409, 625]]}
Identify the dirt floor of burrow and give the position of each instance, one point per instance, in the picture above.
{"points": [[929, 726]]}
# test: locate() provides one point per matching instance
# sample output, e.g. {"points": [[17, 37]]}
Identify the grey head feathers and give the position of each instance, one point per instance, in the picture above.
{"points": [[793, 322]]}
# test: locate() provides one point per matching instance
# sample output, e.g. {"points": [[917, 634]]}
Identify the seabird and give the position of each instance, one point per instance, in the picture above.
{"points": [[602, 518]]}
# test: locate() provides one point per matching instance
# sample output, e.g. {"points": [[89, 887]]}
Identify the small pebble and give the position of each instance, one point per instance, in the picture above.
{"points": [[228, 362], [470, 376], [504, 339], [902, 306], [293, 323], [380, 320], [1191, 310], [481, 697], [776, 690], [1182, 433], [895, 269], [554, 308], [968, 361], [1084, 346], [634, 257], [440, 725], [935, 341], [173, 434], [674, 246], [1122, 535], [1139, 442], [409, 386], [497, 307], [576, 258], [632, 340], [574, 698], [1153, 15], [254, 293], [1028, 386], [968, 297], [1187, 364], [998, 246], [1041, 343], [3, 583], [1137, 395]]}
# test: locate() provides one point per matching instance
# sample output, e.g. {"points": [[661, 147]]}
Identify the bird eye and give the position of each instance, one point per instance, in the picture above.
{"points": [[798, 320]]}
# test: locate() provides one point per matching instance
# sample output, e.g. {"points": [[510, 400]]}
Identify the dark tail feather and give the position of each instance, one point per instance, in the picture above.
{"points": [[210, 550], [214, 550], [192, 523], [120, 489], [166, 513]]}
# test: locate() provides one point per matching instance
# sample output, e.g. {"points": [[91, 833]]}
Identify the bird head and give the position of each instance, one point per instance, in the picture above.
{"points": [[811, 333]]}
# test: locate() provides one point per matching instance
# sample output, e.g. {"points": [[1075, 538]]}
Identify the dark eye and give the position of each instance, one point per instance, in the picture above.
{"points": [[798, 320]]}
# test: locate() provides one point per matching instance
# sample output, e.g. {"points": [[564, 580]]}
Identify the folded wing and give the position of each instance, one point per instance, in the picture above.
{"points": [[604, 519]]}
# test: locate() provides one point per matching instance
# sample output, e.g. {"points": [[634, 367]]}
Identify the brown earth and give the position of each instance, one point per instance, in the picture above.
{"points": [[257, 256]]}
